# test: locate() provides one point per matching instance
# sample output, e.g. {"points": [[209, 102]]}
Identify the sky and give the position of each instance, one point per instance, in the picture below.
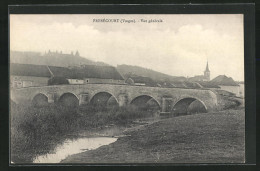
{"points": [[179, 45]]}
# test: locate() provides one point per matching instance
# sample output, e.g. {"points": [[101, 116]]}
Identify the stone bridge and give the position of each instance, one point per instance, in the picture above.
{"points": [[167, 99]]}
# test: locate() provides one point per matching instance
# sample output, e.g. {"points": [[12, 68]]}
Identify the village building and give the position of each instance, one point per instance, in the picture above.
{"points": [[193, 85], [166, 84], [88, 74], [96, 74], [140, 81], [59, 74], [208, 85], [26, 75], [181, 84], [178, 84]]}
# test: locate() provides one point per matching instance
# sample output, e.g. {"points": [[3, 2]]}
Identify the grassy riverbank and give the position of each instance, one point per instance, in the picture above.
{"points": [[36, 131], [216, 137]]}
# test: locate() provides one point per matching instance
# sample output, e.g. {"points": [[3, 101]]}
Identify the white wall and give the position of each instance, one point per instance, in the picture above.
{"points": [[75, 81], [28, 81], [140, 84]]}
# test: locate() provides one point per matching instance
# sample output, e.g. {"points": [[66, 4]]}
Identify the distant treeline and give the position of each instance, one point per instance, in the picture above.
{"points": [[52, 59]]}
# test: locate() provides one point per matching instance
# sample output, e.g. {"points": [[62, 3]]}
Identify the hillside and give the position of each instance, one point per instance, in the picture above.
{"points": [[50, 58], [64, 60], [127, 70]]}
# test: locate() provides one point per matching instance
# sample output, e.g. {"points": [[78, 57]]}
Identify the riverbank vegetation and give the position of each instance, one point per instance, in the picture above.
{"points": [[36, 131]]}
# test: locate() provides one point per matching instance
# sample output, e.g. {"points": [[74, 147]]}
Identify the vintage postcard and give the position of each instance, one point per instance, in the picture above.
{"points": [[127, 88]]}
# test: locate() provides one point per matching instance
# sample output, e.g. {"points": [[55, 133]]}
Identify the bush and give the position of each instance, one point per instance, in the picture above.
{"points": [[33, 130]]}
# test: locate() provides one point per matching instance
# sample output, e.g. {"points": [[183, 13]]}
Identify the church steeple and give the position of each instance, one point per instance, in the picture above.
{"points": [[207, 73], [207, 67]]}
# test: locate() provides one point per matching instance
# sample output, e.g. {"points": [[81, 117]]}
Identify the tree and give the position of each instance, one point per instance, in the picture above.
{"points": [[57, 81]]}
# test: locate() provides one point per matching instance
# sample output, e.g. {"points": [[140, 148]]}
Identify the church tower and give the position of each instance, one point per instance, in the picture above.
{"points": [[207, 73]]}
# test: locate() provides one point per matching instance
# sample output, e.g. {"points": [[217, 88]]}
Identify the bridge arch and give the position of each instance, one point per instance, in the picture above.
{"points": [[187, 105], [145, 102], [69, 99], [103, 99], [40, 100]]}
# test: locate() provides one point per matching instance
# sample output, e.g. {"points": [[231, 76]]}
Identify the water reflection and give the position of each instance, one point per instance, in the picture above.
{"points": [[70, 147]]}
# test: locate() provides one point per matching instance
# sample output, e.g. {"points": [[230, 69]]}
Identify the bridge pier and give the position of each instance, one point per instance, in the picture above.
{"points": [[83, 99], [122, 100], [50, 97], [166, 104]]}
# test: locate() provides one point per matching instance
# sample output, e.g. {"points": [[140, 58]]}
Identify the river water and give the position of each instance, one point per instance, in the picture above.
{"points": [[70, 147], [82, 144]]}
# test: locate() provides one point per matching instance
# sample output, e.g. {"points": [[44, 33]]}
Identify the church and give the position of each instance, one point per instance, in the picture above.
{"points": [[205, 77]]}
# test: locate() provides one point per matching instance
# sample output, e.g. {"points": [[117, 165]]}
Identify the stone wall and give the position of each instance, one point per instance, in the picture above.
{"points": [[102, 81]]}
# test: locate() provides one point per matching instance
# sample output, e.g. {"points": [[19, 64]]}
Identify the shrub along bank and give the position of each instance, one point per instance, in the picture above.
{"points": [[36, 131]]}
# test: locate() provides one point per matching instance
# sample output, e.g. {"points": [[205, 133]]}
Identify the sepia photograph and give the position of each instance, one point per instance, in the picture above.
{"points": [[126, 88]]}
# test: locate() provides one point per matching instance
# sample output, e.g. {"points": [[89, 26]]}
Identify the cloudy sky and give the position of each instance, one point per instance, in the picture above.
{"points": [[180, 45]]}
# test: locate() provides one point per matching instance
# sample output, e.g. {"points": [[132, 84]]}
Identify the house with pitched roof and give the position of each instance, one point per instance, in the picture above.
{"points": [[97, 74], [208, 85], [27, 75], [61, 73], [140, 81]]}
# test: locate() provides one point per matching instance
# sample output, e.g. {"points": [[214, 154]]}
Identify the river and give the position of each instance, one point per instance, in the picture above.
{"points": [[70, 147], [88, 141]]}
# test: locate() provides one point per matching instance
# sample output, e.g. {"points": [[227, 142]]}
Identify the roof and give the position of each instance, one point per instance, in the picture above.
{"points": [[178, 79], [60, 71], [29, 70], [224, 80], [96, 71], [191, 84], [178, 84], [207, 84], [197, 78], [88, 71], [165, 83], [146, 80]]}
